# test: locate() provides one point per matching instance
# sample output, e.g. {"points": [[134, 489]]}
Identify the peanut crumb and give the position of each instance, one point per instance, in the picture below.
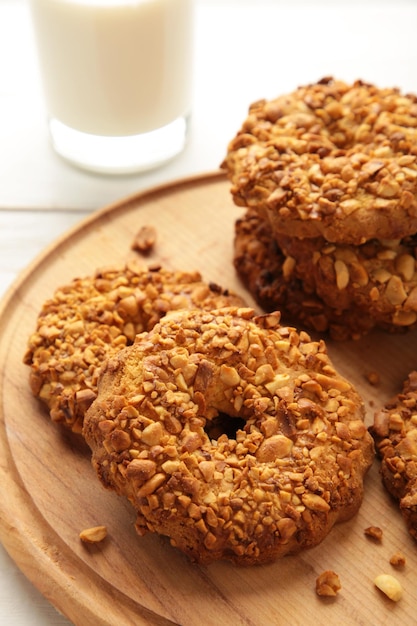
{"points": [[390, 586], [328, 584], [144, 240], [398, 560], [373, 378], [94, 534], [374, 532]]}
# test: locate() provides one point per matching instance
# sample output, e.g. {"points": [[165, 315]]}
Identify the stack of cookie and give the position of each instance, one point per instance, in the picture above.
{"points": [[328, 176]]}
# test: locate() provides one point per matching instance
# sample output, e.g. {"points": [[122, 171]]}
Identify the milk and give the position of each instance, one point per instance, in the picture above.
{"points": [[115, 68]]}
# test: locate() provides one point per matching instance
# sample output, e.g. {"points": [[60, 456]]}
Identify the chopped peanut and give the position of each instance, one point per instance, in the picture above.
{"points": [[94, 534], [373, 378], [390, 586], [374, 532], [328, 584], [144, 240], [398, 560]]}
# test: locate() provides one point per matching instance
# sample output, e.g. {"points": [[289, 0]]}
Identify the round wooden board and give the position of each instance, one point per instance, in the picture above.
{"points": [[49, 491]]}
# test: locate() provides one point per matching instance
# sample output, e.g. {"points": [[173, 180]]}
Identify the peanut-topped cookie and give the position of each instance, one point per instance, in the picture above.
{"points": [[230, 434], [330, 160], [276, 283], [91, 318], [378, 277], [395, 433]]}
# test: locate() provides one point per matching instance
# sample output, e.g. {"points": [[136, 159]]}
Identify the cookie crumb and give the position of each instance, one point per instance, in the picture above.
{"points": [[144, 240], [374, 532], [398, 560], [328, 584]]}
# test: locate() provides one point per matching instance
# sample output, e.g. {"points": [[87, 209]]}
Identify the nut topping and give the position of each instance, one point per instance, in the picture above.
{"points": [[257, 456], [92, 318]]}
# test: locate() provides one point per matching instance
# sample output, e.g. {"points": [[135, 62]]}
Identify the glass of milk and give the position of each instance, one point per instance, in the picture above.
{"points": [[117, 79]]}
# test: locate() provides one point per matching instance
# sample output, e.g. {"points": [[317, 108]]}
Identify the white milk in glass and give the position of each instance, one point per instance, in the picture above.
{"points": [[117, 78]]}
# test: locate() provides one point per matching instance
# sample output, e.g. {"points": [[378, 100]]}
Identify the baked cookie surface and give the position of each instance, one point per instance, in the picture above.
{"points": [[272, 279], [91, 318], [330, 160], [230, 434], [395, 433], [377, 277]]}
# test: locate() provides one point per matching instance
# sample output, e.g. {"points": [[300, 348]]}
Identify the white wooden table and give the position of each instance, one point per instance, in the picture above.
{"points": [[244, 50]]}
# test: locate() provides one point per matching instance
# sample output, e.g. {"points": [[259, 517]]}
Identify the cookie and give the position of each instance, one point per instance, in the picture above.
{"points": [[270, 277], [377, 277], [330, 160], [395, 433], [231, 434], [91, 318]]}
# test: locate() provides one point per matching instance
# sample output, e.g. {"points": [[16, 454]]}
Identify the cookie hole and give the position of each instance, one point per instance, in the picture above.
{"points": [[224, 424]]}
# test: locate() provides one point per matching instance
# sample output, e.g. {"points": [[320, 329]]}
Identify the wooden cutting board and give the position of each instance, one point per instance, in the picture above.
{"points": [[49, 491]]}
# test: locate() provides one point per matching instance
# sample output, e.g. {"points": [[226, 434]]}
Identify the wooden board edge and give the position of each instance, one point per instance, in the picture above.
{"points": [[40, 554]]}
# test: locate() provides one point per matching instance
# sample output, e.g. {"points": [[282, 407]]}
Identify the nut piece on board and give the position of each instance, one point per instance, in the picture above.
{"points": [[328, 584], [398, 560], [390, 586], [144, 239], [374, 532], [373, 378], [94, 534]]}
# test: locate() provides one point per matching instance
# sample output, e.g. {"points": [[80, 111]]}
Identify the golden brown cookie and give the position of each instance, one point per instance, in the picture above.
{"points": [[230, 434], [377, 277], [91, 318], [395, 433], [272, 280], [330, 160]]}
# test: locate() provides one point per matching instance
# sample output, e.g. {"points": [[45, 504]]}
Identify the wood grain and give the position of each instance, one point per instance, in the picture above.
{"points": [[49, 492]]}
